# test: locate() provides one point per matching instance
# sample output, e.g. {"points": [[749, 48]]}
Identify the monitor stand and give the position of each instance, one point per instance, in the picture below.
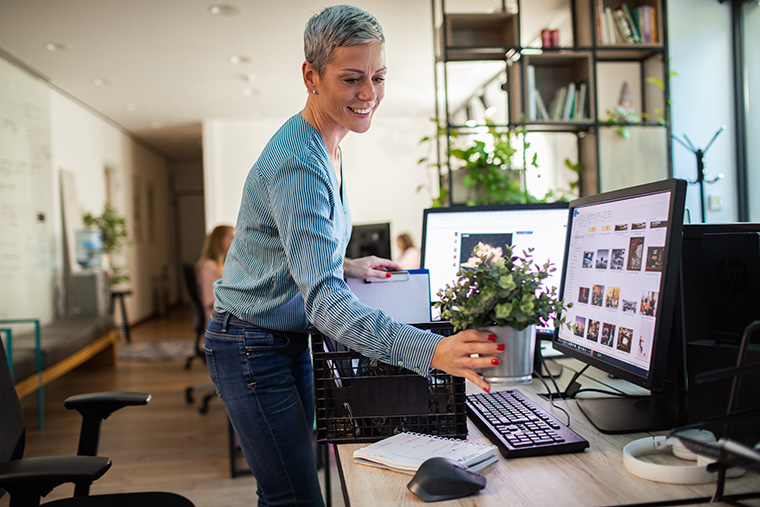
{"points": [[627, 415]]}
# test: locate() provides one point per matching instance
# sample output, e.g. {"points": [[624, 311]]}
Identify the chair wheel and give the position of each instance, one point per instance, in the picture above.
{"points": [[189, 362], [189, 395]]}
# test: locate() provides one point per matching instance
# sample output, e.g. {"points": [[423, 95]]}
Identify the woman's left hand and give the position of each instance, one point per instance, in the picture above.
{"points": [[369, 267]]}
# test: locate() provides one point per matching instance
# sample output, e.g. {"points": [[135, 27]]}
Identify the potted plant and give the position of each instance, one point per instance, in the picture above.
{"points": [[505, 294], [490, 167], [113, 230]]}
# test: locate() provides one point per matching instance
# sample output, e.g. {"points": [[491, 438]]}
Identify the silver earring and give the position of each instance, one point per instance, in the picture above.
{"points": [[314, 92]]}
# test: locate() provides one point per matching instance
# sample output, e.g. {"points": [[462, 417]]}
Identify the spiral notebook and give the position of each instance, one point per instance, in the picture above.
{"points": [[405, 452]]}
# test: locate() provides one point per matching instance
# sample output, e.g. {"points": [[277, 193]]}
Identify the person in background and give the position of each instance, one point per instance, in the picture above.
{"points": [[286, 267], [210, 266], [410, 255]]}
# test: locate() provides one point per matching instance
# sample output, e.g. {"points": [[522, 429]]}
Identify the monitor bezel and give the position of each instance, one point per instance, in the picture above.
{"points": [[665, 315], [539, 206], [542, 334]]}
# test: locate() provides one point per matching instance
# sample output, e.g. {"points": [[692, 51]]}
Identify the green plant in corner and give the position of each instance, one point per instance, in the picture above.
{"points": [[502, 290], [113, 229]]}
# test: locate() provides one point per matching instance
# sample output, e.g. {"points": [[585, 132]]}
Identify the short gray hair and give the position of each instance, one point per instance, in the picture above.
{"points": [[338, 26]]}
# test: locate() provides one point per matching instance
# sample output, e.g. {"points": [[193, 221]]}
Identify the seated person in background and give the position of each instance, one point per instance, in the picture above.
{"points": [[211, 264], [410, 255]]}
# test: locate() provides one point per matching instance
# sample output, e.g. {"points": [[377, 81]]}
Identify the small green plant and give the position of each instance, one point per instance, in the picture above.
{"points": [[500, 290], [113, 229]]}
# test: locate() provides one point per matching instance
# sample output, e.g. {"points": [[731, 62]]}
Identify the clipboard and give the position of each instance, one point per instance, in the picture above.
{"points": [[405, 296]]}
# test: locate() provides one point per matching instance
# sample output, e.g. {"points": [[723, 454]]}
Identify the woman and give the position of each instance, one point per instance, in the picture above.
{"points": [[410, 255], [210, 266], [286, 268]]}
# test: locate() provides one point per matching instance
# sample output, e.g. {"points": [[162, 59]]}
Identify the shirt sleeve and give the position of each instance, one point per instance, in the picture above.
{"points": [[306, 221]]}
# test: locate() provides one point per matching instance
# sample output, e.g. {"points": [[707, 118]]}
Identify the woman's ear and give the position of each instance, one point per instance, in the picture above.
{"points": [[309, 77]]}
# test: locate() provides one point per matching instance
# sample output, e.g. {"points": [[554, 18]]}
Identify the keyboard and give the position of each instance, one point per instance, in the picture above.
{"points": [[518, 427]]}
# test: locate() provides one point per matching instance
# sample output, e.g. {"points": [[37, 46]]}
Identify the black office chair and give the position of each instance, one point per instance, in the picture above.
{"points": [[27, 480], [199, 327]]}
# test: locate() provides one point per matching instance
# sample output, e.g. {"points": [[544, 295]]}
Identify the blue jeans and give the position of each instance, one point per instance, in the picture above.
{"points": [[264, 378]]}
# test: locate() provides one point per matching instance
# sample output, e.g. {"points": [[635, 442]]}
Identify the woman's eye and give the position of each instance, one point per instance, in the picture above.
{"points": [[380, 79], [352, 80]]}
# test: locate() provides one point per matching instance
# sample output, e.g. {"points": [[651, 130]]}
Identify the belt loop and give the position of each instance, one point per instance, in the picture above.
{"points": [[226, 321]]}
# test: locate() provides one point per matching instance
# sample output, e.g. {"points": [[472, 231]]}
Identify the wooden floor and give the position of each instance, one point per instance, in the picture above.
{"points": [[166, 445]]}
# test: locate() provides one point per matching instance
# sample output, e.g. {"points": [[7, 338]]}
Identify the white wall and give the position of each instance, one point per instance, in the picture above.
{"points": [[380, 169], [752, 97], [702, 94], [83, 144]]}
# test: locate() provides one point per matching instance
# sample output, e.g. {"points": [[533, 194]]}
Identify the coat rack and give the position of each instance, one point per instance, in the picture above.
{"points": [[700, 154]]}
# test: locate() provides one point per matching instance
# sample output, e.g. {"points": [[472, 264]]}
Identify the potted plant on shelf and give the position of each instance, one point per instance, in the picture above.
{"points": [[505, 294]]}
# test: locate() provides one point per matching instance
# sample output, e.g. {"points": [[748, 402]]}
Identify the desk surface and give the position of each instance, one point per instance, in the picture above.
{"points": [[593, 477]]}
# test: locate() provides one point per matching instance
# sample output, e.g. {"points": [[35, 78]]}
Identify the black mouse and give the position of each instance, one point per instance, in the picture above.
{"points": [[443, 479]]}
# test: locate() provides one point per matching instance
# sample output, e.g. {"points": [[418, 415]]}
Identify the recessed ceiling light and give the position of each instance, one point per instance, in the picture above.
{"points": [[236, 59], [223, 10], [57, 46], [99, 81], [130, 107], [248, 91]]}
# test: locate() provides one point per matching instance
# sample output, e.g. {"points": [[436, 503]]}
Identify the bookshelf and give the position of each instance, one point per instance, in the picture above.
{"points": [[597, 97]]}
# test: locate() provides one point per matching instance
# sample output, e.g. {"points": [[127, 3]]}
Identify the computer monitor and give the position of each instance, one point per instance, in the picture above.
{"points": [[450, 234], [370, 239], [620, 273]]}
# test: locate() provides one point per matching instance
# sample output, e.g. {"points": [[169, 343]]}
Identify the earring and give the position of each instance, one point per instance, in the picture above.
{"points": [[314, 92]]}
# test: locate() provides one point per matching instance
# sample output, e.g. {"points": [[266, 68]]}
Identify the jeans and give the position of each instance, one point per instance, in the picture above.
{"points": [[264, 378]]}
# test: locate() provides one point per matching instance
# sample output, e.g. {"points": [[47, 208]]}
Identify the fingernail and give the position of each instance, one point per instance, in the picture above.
{"points": [[387, 275], [495, 361], [492, 337], [487, 389], [501, 346]]}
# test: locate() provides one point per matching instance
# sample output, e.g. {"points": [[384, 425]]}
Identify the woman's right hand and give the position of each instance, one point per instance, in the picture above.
{"points": [[453, 354]]}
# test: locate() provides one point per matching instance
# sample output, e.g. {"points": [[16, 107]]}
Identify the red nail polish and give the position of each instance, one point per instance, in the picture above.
{"points": [[501, 346], [495, 361], [492, 337], [387, 275], [487, 389]]}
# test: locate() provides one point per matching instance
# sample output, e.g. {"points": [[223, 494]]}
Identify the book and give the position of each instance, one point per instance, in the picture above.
{"points": [[567, 112], [580, 104], [558, 103], [631, 24], [531, 85], [405, 452], [543, 113]]}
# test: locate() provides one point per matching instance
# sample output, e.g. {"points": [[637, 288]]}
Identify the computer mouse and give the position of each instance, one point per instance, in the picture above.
{"points": [[443, 479]]}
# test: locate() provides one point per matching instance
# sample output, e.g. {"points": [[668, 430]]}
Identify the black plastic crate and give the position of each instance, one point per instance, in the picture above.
{"points": [[364, 400]]}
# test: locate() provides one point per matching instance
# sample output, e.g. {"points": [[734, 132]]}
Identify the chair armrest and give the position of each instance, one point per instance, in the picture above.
{"points": [[36, 477], [108, 400], [95, 407]]}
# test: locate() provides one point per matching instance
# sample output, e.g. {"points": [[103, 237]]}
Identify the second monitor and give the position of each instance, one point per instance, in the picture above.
{"points": [[449, 236]]}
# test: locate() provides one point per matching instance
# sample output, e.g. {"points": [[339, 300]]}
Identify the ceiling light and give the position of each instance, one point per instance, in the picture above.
{"points": [[223, 10], [130, 107], [156, 124], [236, 59], [99, 81], [57, 46]]}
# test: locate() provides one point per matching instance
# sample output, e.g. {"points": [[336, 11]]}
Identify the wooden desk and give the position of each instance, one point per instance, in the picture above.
{"points": [[593, 477]]}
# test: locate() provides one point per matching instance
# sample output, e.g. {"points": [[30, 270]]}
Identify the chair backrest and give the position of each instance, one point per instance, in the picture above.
{"points": [[12, 431], [191, 282]]}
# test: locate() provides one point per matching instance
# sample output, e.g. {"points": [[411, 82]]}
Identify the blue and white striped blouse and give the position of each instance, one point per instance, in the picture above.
{"points": [[285, 266]]}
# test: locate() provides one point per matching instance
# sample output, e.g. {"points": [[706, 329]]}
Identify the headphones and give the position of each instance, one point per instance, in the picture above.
{"points": [[678, 474]]}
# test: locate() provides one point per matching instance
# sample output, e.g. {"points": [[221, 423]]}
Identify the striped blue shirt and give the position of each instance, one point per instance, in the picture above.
{"points": [[284, 269]]}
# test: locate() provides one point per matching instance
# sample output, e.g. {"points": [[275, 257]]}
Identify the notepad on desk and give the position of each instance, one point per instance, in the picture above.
{"points": [[405, 452]]}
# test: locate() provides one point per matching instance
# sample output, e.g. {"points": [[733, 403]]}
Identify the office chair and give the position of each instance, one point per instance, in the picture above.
{"points": [[27, 480], [199, 326]]}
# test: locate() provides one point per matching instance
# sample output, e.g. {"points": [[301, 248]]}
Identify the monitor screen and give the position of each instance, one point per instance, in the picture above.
{"points": [[621, 276], [370, 239], [449, 236]]}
